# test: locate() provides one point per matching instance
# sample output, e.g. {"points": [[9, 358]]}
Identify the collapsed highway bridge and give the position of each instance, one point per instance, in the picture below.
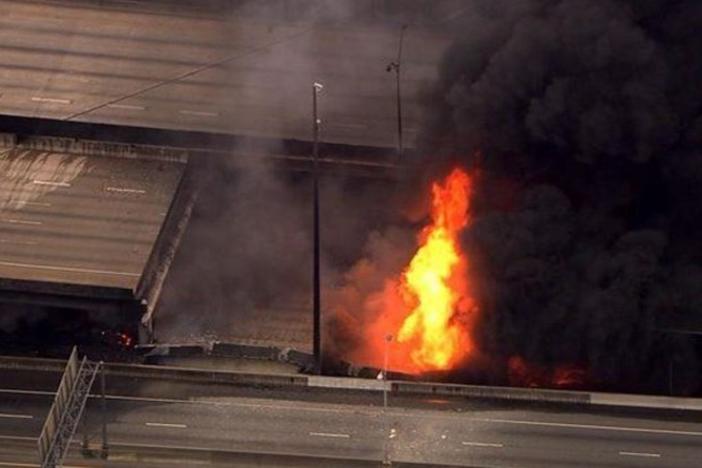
{"points": [[91, 216]]}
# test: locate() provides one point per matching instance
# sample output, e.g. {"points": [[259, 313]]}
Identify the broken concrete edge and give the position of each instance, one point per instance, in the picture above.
{"points": [[227, 350], [394, 387], [304, 361]]}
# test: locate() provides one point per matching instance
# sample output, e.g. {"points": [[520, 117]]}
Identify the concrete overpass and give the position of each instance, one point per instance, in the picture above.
{"points": [[241, 69]]}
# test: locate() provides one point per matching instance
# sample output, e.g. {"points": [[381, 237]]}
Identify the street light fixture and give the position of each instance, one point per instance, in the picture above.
{"points": [[316, 307], [396, 66]]}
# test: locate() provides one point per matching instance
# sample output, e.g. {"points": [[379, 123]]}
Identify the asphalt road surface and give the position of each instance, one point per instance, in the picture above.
{"points": [[190, 425], [80, 219], [67, 61]]}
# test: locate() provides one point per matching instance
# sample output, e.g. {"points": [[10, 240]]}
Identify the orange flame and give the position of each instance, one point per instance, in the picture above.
{"points": [[423, 318], [434, 285]]}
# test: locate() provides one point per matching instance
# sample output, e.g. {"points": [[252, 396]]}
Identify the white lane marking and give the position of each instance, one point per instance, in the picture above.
{"points": [[33, 465], [11, 437], [640, 454], [482, 444], [351, 411], [51, 100], [51, 183], [594, 427], [20, 221], [178, 426], [199, 113], [124, 190], [330, 434], [126, 107], [16, 416], [17, 242], [69, 269]]}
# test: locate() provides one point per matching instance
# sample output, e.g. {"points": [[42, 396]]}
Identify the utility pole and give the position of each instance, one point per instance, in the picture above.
{"points": [[316, 306], [396, 66]]}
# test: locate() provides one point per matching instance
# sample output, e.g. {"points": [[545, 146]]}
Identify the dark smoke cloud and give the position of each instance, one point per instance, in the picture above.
{"points": [[591, 112], [588, 117]]}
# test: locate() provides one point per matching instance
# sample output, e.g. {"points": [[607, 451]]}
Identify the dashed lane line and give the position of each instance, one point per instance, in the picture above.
{"points": [[330, 434]]}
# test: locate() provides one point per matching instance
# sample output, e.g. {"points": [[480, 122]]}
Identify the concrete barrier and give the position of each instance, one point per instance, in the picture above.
{"points": [[155, 351], [205, 376], [245, 351], [646, 401], [372, 385], [300, 359], [38, 364], [493, 393], [93, 148], [349, 383]]}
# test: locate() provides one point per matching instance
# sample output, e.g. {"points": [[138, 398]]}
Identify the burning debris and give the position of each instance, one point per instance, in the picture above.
{"points": [[566, 376]]}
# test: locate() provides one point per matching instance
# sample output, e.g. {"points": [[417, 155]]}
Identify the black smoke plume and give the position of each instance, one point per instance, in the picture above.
{"points": [[588, 116]]}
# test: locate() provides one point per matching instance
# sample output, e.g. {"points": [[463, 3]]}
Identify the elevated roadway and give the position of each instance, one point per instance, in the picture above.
{"points": [[226, 72], [153, 423]]}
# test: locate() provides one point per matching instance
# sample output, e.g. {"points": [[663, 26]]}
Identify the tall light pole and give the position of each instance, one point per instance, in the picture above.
{"points": [[388, 340], [316, 306], [396, 66]]}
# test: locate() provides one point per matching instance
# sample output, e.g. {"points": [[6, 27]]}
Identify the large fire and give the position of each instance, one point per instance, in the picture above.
{"points": [[425, 314], [434, 284], [424, 319]]}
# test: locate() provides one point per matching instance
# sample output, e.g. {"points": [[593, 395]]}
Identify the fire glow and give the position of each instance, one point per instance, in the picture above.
{"points": [[428, 309]]}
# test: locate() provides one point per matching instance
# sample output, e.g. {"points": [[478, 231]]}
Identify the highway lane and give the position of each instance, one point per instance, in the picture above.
{"points": [[458, 433], [58, 60], [81, 219]]}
